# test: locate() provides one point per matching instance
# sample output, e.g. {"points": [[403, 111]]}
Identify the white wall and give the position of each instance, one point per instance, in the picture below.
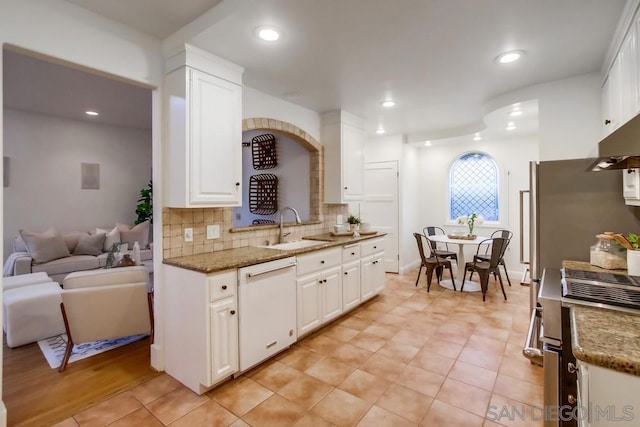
{"points": [[44, 190], [570, 115], [512, 157], [293, 172], [259, 104]]}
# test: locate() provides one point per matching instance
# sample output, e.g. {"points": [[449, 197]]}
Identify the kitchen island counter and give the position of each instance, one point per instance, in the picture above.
{"points": [[212, 262]]}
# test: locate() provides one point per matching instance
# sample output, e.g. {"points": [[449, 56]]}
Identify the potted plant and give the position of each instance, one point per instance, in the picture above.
{"points": [[353, 222], [144, 208]]}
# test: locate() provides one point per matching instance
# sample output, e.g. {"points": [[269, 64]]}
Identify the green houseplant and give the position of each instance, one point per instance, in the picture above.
{"points": [[144, 208], [353, 222]]}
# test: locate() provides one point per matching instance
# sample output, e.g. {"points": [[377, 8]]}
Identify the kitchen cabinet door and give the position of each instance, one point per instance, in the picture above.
{"points": [[343, 139], [203, 139], [308, 307], [224, 338], [367, 274], [378, 273], [350, 285], [331, 290], [612, 98], [216, 136]]}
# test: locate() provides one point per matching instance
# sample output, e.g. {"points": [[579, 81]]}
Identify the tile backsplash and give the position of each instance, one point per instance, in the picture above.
{"points": [[176, 220]]}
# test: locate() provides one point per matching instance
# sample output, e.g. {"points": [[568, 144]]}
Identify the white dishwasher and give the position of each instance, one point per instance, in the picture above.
{"points": [[266, 310]]}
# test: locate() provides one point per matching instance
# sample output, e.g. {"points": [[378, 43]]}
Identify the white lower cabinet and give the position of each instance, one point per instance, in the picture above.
{"points": [[607, 397], [351, 285], [224, 338], [201, 327], [319, 293], [372, 268]]}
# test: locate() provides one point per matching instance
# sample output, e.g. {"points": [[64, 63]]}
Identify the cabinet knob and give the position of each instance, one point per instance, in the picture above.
{"points": [[345, 188], [346, 273], [375, 247], [224, 287], [233, 312], [572, 368], [607, 122], [353, 253], [321, 261], [572, 399], [237, 184]]}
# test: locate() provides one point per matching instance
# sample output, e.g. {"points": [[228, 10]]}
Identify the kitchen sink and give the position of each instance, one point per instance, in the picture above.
{"points": [[295, 244]]}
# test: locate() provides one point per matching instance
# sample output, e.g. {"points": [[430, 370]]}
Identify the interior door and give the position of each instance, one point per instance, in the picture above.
{"points": [[381, 207]]}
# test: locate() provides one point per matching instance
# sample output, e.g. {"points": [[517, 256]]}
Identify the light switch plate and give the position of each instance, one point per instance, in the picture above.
{"points": [[188, 234], [213, 231]]}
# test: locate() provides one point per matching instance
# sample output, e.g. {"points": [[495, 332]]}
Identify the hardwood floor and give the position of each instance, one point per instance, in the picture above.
{"points": [[36, 395]]}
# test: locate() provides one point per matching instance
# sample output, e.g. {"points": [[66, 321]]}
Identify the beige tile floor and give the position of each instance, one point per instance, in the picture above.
{"points": [[406, 358]]}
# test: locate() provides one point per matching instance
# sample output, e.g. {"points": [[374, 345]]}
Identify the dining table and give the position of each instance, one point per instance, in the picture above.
{"points": [[469, 285]]}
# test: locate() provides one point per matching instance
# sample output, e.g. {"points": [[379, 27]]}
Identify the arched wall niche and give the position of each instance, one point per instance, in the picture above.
{"points": [[315, 149]]}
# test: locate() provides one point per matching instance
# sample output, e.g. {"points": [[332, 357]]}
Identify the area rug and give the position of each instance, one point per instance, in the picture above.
{"points": [[53, 348]]}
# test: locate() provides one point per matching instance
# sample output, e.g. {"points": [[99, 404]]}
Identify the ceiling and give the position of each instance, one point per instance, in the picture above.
{"points": [[436, 58]]}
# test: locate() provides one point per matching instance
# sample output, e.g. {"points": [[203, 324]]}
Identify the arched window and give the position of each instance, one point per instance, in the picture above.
{"points": [[474, 187]]}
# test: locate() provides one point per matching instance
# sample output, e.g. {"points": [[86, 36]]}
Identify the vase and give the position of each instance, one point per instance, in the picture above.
{"points": [[633, 262], [126, 261]]}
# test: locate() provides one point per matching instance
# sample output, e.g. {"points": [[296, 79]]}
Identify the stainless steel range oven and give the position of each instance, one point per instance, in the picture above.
{"points": [[559, 289]]}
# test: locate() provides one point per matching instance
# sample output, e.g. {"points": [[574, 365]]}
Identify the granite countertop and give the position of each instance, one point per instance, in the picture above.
{"points": [[606, 338], [582, 265], [241, 257]]}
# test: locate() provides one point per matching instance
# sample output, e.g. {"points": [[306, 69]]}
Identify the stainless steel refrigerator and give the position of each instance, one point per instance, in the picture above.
{"points": [[568, 206]]}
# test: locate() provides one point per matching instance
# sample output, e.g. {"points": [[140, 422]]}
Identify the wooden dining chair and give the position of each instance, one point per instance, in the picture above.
{"points": [[442, 253], [486, 256], [486, 268], [433, 263]]}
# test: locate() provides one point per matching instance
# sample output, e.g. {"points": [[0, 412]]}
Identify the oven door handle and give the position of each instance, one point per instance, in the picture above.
{"points": [[532, 350]]}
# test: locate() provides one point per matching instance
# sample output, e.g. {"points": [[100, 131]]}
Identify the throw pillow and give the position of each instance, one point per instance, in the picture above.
{"points": [[90, 244], [71, 239], [139, 233], [112, 236], [43, 247]]}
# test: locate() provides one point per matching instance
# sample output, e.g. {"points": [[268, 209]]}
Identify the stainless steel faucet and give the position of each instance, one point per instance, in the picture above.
{"points": [[298, 221]]}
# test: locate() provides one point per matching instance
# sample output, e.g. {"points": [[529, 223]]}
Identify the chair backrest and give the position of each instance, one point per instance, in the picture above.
{"points": [[107, 303], [432, 231], [498, 247], [505, 234], [419, 238]]}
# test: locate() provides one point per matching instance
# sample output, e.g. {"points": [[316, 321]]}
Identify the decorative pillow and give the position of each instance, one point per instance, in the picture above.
{"points": [[43, 247], [90, 244], [112, 236], [139, 233], [71, 239]]}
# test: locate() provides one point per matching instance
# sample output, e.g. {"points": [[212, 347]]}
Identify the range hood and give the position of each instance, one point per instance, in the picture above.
{"points": [[620, 149]]}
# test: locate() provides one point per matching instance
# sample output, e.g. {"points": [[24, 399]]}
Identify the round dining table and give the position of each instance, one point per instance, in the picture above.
{"points": [[469, 285]]}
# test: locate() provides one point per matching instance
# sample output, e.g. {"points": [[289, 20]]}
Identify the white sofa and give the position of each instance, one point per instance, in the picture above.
{"points": [[73, 259]]}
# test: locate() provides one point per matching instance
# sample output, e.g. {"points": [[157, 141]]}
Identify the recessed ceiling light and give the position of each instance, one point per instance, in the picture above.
{"points": [[388, 103], [380, 131], [477, 137], [510, 126], [268, 34], [427, 143], [511, 56], [515, 113], [91, 113]]}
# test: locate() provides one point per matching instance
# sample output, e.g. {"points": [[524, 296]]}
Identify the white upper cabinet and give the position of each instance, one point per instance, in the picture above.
{"points": [[342, 136], [621, 88], [203, 146]]}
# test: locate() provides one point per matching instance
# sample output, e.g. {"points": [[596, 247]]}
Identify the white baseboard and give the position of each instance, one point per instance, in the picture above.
{"points": [[410, 266], [157, 361]]}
